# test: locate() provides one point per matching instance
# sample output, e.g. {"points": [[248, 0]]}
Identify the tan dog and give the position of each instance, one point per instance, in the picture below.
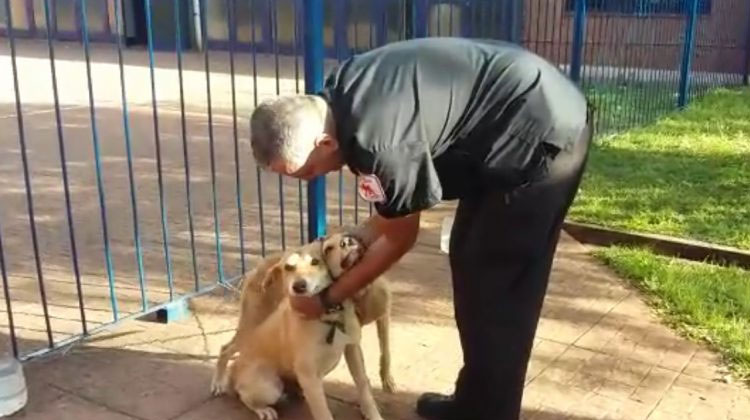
{"points": [[260, 296], [287, 346], [372, 303]]}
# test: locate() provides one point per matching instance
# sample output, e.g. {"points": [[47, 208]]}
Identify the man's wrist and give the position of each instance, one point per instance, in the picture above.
{"points": [[326, 301]]}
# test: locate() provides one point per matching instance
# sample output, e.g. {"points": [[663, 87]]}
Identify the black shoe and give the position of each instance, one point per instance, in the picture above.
{"points": [[437, 407]]}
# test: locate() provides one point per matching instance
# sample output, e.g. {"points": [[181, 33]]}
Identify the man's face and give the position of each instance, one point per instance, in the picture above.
{"points": [[323, 158]]}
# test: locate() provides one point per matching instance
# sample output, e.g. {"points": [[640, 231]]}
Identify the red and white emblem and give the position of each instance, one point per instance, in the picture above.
{"points": [[370, 190]]}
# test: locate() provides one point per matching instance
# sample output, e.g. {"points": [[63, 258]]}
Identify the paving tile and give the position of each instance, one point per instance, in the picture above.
{"points": [[652, 388], [631, 410], [705, 364], [710, 392], [70, 407], [133, 382], [544, 354]]}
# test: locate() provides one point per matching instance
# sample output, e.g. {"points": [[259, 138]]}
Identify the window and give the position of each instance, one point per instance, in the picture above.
{"points": [[643, 7]]}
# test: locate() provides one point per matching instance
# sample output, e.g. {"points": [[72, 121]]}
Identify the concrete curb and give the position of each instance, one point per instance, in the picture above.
{"points": [[665, 245]]}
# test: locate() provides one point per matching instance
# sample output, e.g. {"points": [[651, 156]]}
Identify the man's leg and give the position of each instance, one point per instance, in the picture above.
{"points": [[502, 249]]}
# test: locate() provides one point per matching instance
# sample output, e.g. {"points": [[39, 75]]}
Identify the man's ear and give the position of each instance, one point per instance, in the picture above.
{"points": [[326, 141]]}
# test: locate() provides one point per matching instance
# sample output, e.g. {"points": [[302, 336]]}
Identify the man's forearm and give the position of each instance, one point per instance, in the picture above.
{"points": [[368, 231]]}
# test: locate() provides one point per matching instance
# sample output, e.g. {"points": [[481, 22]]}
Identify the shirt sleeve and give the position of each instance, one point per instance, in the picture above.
{"points": [[408, 178]]}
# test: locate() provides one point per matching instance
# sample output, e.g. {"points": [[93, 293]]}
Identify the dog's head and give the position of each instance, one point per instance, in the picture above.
{"points": [[341, 251], [303, 273]]}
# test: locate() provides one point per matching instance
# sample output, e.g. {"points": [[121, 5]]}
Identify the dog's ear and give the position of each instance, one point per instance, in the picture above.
{"points": [[273, 276]]}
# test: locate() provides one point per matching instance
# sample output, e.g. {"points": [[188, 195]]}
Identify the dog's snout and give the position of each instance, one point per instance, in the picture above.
{"points": [[299, 286]]}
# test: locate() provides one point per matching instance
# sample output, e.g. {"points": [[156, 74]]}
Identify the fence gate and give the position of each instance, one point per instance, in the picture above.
{"points": [[126, 181]]}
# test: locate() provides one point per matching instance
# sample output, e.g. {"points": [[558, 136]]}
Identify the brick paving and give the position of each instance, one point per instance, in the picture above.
{"points": [[599, 354]]}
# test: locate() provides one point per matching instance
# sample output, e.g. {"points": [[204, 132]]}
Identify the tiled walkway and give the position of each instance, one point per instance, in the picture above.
{"points": [[600, 353]]}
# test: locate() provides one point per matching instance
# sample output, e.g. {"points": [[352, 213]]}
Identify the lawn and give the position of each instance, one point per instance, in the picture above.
{"points": [[687, 175], [703, 301], [621, 106]]}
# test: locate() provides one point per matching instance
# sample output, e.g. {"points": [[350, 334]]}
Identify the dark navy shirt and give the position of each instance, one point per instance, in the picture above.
{"points": [[442, 118]]}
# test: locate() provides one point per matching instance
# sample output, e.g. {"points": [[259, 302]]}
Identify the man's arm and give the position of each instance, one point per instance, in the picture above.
{"points": [[392, 239], [371, 229]]}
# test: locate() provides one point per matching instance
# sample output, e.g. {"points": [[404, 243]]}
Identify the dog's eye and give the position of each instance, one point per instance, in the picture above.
{"points": [[289, 267], [314, 261], [342, 244]]}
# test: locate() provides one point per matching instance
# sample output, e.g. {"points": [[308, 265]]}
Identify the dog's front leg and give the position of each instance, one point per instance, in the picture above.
{"points": [[356, 364], [312, 388], [220, 383]]}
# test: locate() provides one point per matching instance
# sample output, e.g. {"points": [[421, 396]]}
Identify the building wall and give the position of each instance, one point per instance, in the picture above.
{"points": [[641, 42]]}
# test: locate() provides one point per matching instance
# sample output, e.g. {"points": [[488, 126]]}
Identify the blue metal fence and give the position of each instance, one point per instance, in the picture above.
{"points": [[135, 147]]}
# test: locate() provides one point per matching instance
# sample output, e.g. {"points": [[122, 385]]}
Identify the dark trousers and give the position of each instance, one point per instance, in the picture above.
{"points": [[501, 251]]}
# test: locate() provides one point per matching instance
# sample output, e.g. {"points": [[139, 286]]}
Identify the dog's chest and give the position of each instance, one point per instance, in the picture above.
{"points": [[331, 347]]}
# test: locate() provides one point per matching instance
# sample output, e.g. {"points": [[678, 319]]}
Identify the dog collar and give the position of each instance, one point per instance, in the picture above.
{"points": [[335, 324]]}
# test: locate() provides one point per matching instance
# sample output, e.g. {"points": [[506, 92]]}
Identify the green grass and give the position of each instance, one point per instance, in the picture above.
{"points": [[703, 301], [626, 105], [687, 175]]}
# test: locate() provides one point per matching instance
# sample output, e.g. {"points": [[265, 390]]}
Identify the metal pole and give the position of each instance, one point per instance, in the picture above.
{"points": [[687, 54], [579, 34], [419, 18], [512, 17], [746, 73], [314, 56]]}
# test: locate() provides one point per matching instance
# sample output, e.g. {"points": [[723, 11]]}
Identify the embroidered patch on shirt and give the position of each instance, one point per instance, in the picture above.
{"points": [[370, 189]]}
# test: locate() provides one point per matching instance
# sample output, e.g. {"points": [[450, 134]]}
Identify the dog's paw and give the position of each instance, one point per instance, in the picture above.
{"points": [[219, 386], [267, 413], [389, 385]]}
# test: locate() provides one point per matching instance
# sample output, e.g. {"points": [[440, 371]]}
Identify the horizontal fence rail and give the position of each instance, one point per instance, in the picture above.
{"points": [[126, 179]]}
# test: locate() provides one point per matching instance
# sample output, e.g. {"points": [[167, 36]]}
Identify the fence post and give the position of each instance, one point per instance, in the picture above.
{"points": [[419, 16], [579, 34], [687, 54], [513, 21], [314, 56], [746, 74]]}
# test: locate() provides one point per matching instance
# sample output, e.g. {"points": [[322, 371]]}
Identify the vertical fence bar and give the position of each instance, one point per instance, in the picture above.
{"points": [[579, 33], [232, 22], [97, 161], [408, 18], [26, 176], [6, 292], [687, 54], [746, 72], [371, 44], [314, 56], [340, 13], [273, 17], [64, 166], [258, 172], [185, 149], [295, 52], [419, 18], [557, 53], [511, 19], [211, 142], [129, 158], [157, 143]]}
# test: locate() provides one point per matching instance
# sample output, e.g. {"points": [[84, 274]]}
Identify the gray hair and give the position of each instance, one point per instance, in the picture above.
{"points": [[285, 128]]}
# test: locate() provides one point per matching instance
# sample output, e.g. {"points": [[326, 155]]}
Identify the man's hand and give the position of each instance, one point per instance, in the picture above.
{"points": [[392, 239], [309, 306]]}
